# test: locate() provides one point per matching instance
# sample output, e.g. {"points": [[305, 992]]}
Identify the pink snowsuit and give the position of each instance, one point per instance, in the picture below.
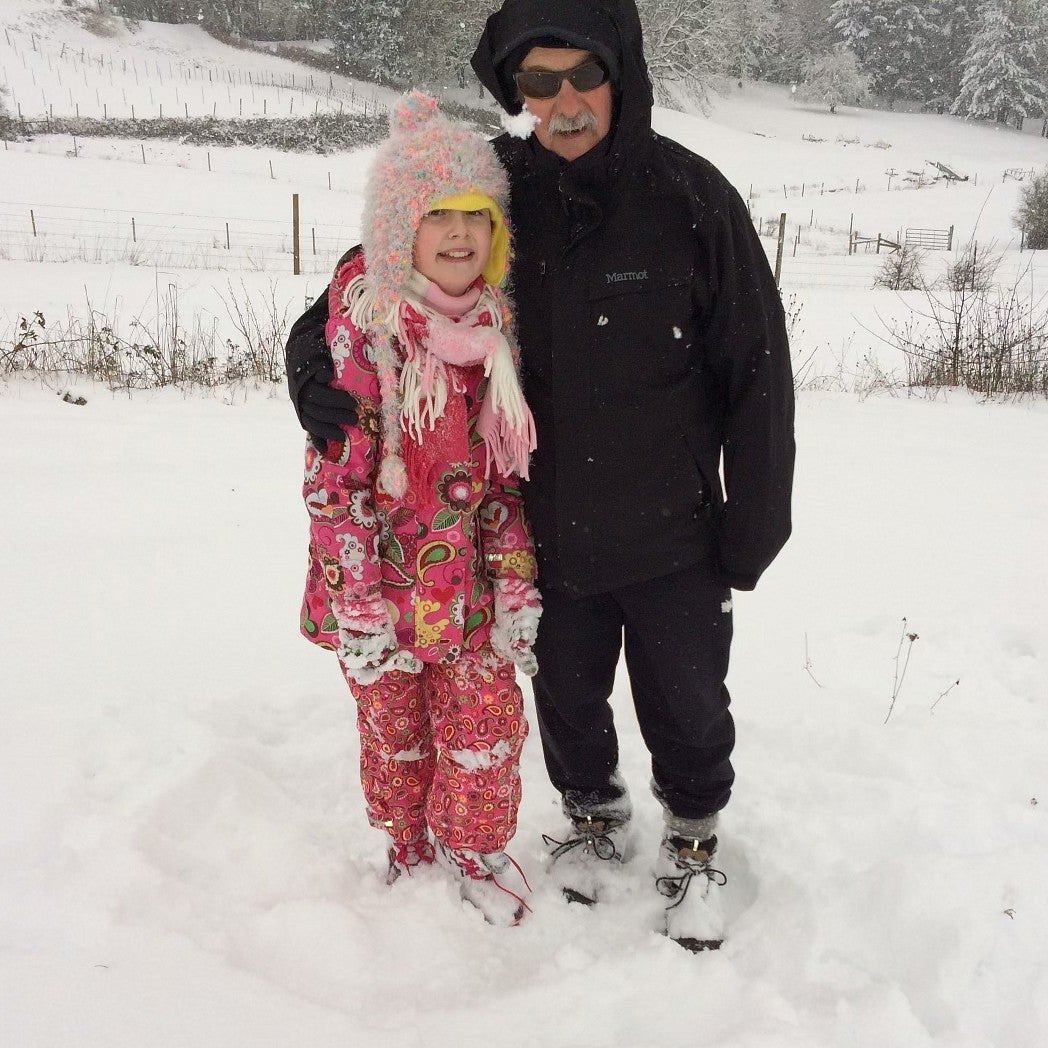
{"points": [[440, 747]]}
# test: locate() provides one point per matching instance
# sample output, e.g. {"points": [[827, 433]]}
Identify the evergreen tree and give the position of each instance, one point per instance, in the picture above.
{"points": [[853, 21], [366, 38], [1002, 79], [173, 11], [891, 41], [438, 39], [951, 27], [804, 29], [909, 39]]}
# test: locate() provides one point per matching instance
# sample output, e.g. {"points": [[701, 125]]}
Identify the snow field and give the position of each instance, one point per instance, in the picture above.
{"points": [[184, 858]]}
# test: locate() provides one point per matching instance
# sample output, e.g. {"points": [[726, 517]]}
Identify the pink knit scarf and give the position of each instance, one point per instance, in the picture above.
{"points": [[436, 329]]}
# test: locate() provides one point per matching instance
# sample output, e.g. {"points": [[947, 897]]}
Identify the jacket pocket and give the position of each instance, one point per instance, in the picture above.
{"points": [[641, 327], [708, 473]]}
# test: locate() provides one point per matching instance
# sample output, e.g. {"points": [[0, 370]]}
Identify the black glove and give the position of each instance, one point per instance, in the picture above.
{"points": [[320, 408]]}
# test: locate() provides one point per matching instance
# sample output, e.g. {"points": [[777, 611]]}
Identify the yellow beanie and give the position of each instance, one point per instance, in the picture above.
{"points": [[498, 259]]}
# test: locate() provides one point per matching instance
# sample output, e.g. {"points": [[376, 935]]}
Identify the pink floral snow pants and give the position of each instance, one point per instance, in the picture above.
{"points": [[442, 747]]}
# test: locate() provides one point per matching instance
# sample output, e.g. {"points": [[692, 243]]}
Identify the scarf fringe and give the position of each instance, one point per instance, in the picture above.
{"points": [[415, 393]]}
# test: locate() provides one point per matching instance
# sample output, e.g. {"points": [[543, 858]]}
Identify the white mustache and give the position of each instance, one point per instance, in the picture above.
{"points": [[559, 124]]}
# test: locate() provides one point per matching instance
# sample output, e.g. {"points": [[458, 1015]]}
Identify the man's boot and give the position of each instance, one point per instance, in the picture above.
{"points": [[596, 846], [691, 885]]}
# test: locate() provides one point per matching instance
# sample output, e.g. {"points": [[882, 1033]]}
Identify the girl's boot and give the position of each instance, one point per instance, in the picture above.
{"points": [[403, 857], [491, 881]]}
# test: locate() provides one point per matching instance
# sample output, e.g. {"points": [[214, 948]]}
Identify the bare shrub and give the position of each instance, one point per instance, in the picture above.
{"points": [[262, 326], [992, 342], [975, 270], [901, 270], [871, 378], [163, 351]]}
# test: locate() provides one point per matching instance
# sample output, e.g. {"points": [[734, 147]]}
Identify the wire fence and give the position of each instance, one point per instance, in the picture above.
{"points": [[187, 240], [46, 80], [56, 233]]}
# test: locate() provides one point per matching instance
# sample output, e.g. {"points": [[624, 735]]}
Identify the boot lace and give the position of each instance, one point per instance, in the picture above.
{"points": [[590, 835], [693, 860], [411, 853], [480, 871]]}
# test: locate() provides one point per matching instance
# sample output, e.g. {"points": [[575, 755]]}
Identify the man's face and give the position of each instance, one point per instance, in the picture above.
{"points": [[571, 122]]}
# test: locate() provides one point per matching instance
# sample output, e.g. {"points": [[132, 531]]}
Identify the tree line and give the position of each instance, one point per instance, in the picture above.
{"points": [[976, 58]]}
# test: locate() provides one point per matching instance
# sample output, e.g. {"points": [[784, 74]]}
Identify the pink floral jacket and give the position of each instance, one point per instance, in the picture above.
{"points": [[433, 554]]}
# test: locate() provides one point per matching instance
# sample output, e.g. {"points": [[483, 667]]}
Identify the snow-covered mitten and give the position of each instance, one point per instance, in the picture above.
{"points": [[367, 642], [517, 612]]}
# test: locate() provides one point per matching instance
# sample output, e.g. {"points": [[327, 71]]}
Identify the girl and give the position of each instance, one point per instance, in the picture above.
{"points": [[422, 569]]}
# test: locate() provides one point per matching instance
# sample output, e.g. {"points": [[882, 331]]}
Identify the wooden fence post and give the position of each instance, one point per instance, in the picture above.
{"points": [[294, 232], [778, 249]]}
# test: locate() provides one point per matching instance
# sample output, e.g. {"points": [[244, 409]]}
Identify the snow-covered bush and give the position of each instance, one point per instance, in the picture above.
{"points": [[1032, 213], [321, 133]]}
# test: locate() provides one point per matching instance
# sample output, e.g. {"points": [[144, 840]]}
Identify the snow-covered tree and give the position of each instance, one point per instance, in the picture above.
{"points": [[438, 38], [1002, 78], [908, 43], [680, 43], [950, 36], [747, 28], [366, 38], [891, 41], [174, 11], [853, 21], [803, 29], [834, 79]]}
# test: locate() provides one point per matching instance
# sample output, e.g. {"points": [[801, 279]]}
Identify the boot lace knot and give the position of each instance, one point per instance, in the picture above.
{"points": [[693, 859], [591, 835]]}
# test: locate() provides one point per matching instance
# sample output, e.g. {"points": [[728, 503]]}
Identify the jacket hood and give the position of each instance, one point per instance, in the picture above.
{"points": [[609, 28]]}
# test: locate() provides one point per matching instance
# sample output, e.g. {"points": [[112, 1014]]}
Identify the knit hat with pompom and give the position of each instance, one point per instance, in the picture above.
{"points": [[427, 162]]}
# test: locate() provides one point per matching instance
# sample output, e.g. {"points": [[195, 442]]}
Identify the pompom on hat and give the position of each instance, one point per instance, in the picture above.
{"points": [[428, 162]]}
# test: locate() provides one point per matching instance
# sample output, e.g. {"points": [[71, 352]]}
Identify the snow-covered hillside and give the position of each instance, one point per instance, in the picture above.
{"points": [[184, 858]]}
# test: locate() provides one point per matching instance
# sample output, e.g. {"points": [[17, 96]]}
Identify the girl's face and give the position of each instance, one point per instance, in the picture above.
{"points": [[452, 247]]}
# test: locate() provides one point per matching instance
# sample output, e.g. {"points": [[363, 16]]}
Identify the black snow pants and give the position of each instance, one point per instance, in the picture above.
{"points": [[677, 632]]}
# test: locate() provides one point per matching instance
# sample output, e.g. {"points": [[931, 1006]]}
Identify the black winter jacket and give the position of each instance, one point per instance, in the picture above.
{"points": [[653, 347]]}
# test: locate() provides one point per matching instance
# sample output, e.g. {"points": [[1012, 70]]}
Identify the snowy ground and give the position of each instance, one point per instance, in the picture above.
{"points": [[184, 859]]}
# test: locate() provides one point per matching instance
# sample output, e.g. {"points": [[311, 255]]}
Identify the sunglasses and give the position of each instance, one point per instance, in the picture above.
{"points": [[545, 83]]}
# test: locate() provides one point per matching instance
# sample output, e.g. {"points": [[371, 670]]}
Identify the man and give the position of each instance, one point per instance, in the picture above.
{"points": [[654, 355]]}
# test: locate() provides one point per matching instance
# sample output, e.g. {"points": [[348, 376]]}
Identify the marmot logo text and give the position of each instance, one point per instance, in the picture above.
{"points": [[635, 274]]}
